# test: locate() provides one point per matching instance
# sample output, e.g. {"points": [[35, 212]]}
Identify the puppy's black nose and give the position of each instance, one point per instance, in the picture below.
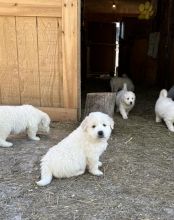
{"points": [[100, 134], [131, 103]]}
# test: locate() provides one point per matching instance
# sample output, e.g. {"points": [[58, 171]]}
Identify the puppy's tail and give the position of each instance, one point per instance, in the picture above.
{"points": [[163, 93], [46, 176], [124, 75], [125, 87]]}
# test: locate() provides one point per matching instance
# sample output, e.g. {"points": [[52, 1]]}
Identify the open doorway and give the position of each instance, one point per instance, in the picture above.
{"points": [[100, 55], [113, 38]]}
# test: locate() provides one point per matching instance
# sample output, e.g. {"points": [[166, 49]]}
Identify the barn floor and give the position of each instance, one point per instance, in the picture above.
{"points": [[138, 181]]}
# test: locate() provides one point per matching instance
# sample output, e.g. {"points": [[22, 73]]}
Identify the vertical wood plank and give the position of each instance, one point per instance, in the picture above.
{"points": [[78, 21], [28, 60], [50, 61], [70, 58], [9, 80]]}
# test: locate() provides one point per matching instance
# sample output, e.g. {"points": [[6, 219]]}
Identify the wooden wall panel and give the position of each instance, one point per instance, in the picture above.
{"points": [[39, 55], [50, 61], [51, 8], [69, 50], [60, 114], [28, 60], [9, 82]]}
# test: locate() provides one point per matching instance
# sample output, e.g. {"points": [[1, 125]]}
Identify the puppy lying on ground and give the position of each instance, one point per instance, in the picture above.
{"points": [[17, 119], [125, 101], [78, 151], [164, 109], [118, 82]]}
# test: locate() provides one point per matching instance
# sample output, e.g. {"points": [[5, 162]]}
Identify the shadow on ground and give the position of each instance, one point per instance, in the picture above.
{"points": [[138, 181]]}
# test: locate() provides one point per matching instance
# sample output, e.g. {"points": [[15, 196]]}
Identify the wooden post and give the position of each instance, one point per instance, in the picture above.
{"points": [[100, 102]]}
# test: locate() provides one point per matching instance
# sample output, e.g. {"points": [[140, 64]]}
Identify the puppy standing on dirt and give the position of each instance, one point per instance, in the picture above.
{"points": [[17, 119], [80, 150], [125, 101], [118, 82], [164, 109]]}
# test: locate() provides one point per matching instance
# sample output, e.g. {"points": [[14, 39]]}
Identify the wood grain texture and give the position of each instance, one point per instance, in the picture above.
{"points": [[9, 81], [60, 114], [28, 60], [50, 61], [69, 44], [50, 8], [33, 2], [40, 55], [100, 102]]}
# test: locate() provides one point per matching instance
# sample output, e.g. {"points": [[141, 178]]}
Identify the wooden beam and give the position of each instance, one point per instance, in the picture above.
{"points": [[60, 114], [42, 8], [108, 17], [103, 8], [70, 49]]}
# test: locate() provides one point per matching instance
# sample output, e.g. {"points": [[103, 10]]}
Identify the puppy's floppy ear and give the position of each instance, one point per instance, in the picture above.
{"points": [[84, 123]]}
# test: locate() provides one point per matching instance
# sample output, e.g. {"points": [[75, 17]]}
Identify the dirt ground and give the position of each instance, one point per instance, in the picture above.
{"points": [[138, 181]]}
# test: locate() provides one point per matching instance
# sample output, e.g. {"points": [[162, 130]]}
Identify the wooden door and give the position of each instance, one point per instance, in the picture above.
{"points": [[39, 55]]}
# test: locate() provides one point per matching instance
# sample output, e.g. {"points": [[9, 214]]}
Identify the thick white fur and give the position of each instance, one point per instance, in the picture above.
{"points": [[125, 101], [164, 109], [78, 151], [17, 119], [117, 83]]}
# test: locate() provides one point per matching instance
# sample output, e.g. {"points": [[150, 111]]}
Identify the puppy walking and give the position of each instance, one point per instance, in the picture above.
{"points": [[164, 109], [17, 119], [78, 151], [117, 83], [125, 101]]}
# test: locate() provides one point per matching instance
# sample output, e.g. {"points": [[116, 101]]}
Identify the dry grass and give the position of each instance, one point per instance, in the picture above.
{"points": [[138, 181]]}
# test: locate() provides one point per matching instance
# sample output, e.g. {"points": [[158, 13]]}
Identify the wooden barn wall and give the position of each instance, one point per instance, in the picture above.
{"points": [[38, 55], [166, 48]]}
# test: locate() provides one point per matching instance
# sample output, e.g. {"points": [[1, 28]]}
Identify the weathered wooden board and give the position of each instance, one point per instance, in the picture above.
{"points": [[100, 102]]}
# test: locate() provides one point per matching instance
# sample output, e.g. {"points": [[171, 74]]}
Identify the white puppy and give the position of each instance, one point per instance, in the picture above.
{"points": [[125, 101], [78, 151], [17, 119], [164, 109], [118, 82]]}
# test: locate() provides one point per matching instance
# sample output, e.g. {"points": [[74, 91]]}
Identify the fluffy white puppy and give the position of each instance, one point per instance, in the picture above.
{"points": [[125, 101], [78, 151], [117, 83], [17, 119], [164, 109]]}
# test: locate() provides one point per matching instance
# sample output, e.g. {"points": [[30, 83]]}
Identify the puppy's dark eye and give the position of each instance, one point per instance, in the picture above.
{"points": [[93, 126], [104, 125], [127, 98]]}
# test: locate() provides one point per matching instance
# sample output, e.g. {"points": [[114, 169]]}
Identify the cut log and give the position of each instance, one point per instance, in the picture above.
{"points": [[100, 102]]}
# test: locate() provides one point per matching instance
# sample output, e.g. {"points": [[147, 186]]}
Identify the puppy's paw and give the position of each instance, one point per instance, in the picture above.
{"points": [[99, 164], [125, 117], [6, 144], [158, 119], [171, 129], [43, 182], [35, 138], [96, 172]]}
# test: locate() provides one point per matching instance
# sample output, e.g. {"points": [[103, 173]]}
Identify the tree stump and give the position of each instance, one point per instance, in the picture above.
{"points": [[100, 102]]}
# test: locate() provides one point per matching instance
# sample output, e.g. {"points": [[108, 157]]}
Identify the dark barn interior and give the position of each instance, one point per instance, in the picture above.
{"points": [[146, 46]]}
